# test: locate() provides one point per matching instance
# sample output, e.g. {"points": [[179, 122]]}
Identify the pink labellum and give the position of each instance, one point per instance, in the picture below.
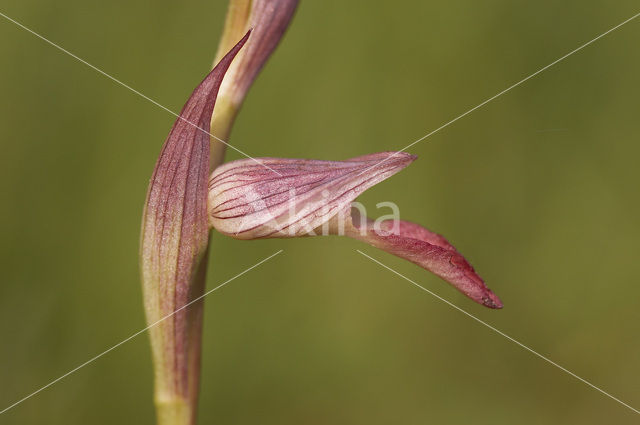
{"points": [[429, 250]]}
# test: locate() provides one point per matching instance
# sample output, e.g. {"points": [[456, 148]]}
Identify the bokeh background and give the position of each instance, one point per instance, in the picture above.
{"points": [[539, 189]]}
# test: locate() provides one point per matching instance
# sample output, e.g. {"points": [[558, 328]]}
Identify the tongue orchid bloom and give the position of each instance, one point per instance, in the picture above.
{"points": [[251, 199], [282, 198]]}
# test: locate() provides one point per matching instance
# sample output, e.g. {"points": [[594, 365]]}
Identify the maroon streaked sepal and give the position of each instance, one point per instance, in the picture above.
{"points": [[250, 201]]}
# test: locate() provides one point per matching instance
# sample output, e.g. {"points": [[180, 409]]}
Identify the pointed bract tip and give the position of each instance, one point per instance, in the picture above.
{"points": [[242, 41]]}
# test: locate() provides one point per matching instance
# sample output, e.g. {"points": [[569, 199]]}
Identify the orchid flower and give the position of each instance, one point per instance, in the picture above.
{"points": [[252, 199], [310, 197]]}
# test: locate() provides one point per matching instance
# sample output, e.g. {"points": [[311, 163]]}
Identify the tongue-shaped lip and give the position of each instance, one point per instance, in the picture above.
{"points": [[428, 250]]}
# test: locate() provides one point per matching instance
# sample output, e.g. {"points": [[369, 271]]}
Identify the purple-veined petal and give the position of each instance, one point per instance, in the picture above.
{"points": [[174, 239], [249, 201], [427, 249]]}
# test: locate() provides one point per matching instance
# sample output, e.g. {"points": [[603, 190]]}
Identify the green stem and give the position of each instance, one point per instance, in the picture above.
{"points": [[224, 115], [175, 412]]}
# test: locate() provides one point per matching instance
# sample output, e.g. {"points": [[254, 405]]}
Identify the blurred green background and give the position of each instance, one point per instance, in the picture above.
{"points": [[539, 189]]}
